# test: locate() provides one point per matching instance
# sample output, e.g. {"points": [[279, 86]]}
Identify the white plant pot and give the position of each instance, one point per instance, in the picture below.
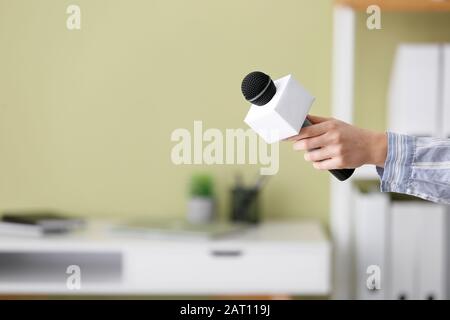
{"points": [[200, 210]]}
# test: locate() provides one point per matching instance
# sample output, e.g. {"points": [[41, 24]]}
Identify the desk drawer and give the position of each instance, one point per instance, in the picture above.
{"points": [[210, 270]]}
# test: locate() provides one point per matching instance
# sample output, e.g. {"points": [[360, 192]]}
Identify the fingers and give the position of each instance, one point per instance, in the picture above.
{"points": [[311, 143], [320, 154], [293, 138], [314, 120], [312, 131], [323, 142], [317, 119], [328, 164]]}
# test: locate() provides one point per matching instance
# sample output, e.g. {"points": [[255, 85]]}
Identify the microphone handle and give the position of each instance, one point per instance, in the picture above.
{"points": [[340, 174]]}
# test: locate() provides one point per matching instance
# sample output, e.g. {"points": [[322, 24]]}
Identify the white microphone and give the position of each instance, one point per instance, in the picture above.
{"points": [[279, 109]]}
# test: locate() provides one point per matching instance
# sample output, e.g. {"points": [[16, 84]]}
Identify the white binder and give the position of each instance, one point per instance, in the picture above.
{"points": [[371, 225], [418, 251], [405, 220], [413, 99], [432, 247]]}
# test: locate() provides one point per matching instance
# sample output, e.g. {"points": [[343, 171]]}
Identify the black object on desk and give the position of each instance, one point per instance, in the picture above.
{"points": [[47, 221], [245, 205], [244, 201]]}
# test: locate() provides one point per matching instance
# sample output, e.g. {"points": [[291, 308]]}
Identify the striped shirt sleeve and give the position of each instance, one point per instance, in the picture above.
{"points": [[417, 166]]}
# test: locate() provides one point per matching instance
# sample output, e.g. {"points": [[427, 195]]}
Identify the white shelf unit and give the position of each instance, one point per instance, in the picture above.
{"points": [[342, 194]]}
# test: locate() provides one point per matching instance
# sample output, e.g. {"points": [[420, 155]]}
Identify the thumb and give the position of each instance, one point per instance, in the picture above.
{"points": [[317, 119]]}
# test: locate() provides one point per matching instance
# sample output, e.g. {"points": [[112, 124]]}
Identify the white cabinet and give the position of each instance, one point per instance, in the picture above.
{"points": [[271, 258]]}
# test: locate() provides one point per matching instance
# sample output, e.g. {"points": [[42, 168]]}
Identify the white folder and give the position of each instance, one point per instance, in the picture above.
{"points": [[371, 212], [418, 247], [413, 99], [405, 220], [432, 247]]}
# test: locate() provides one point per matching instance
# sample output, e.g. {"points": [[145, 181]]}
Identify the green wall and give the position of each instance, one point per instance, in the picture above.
{"points": [[86, 116]]}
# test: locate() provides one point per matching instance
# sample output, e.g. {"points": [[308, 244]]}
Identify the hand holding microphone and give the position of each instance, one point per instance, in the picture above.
{"points": [[282, 107], [331, 143]]}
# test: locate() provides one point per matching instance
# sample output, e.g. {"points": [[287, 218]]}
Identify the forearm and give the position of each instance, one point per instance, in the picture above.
{"points": [[418, 167]]}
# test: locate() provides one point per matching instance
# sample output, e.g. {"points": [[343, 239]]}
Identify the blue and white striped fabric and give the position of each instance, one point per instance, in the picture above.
{"points": [[417, 166]]}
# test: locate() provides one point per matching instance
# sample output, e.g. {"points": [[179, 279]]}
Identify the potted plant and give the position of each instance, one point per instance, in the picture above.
{"points": [[201, 204]]}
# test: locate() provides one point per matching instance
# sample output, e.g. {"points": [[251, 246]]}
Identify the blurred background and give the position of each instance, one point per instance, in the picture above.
{"points": [[86, 117]]}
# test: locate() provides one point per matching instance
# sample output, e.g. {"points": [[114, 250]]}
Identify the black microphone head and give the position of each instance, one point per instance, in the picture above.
{"points": [[258, 88]]}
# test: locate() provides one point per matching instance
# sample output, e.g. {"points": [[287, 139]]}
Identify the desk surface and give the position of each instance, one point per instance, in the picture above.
{"points": [[100, 235]]}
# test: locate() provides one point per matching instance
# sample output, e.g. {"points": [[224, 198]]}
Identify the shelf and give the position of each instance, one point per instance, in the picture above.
{"points": [[399, 5]]}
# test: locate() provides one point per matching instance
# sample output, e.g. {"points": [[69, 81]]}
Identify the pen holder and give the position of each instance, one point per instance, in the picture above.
{"points": [[244, 205]]}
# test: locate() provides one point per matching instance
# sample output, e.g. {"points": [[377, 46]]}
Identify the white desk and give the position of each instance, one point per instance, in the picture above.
{"points": [[271, 259]]}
